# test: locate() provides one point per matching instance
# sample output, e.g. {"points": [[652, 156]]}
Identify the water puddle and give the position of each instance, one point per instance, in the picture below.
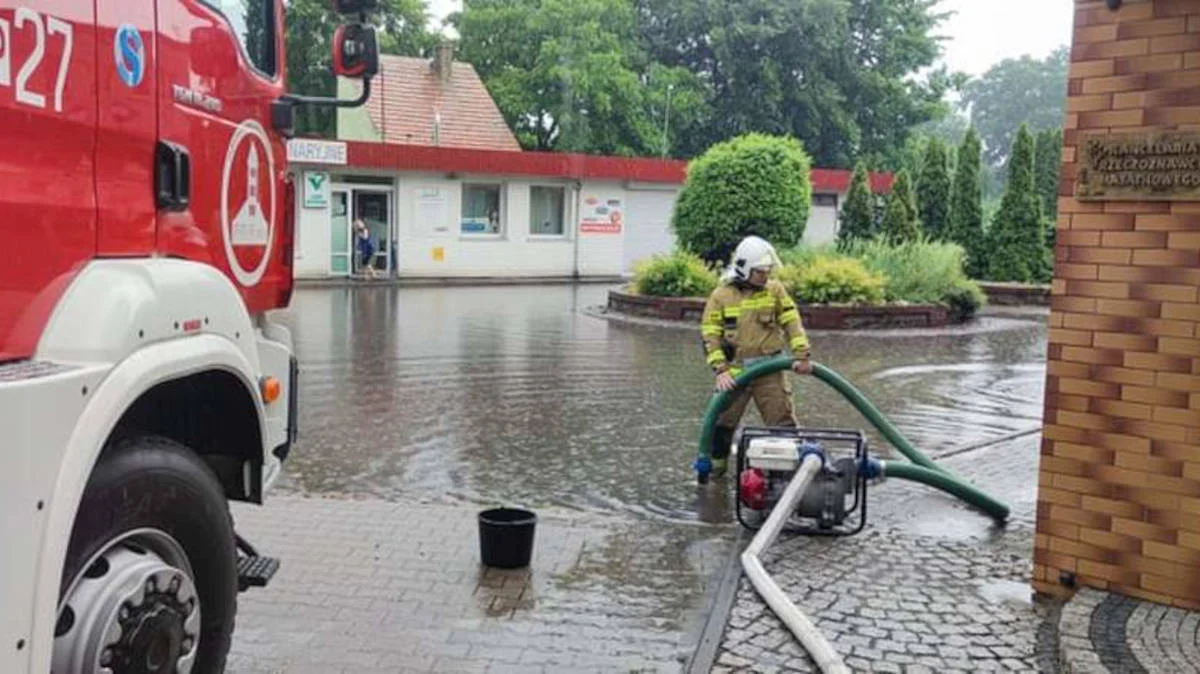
{"points": [[999, 591], [512, 394]]}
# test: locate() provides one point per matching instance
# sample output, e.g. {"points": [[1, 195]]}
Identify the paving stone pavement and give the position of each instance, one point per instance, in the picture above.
{"points": [[929, 586], [371, 586], [889, 602], [1102, 632]]}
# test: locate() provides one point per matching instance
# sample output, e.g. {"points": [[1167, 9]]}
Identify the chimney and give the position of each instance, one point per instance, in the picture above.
{"points": [[443, 61]]}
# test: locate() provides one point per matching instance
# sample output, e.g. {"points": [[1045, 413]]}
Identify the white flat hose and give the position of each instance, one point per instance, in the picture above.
{"points": [[814, 642]]}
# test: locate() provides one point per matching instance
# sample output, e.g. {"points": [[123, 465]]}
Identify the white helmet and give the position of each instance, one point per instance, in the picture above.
{"points": [[752, 253]]}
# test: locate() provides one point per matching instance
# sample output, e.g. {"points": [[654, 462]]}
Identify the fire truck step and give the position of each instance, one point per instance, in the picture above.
{"points": [[255, 571]]}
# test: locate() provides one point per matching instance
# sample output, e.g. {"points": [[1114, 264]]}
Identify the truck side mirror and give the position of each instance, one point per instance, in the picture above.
{"points": [[355, 55], [355, 52]]}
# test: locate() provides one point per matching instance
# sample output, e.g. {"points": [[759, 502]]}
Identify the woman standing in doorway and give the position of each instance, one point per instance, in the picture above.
{"points": [[366, 249]]}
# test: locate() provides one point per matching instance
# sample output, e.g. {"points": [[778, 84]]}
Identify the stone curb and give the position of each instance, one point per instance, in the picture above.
{"points": [[815, 317], [709, 645], [1015, 294]]}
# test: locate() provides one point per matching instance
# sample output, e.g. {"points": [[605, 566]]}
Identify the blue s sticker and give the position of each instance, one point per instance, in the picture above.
{"points": [[130, 55]]}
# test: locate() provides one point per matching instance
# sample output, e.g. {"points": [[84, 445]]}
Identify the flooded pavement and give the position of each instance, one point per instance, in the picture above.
{"points": [[419, 406], [511, 394]]}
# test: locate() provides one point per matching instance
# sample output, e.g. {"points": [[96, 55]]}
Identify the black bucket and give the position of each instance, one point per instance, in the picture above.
{"points": [[506, 537]]}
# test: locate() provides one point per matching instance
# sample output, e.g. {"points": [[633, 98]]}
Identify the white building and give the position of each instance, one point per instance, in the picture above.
{"points": [[440, 182]]}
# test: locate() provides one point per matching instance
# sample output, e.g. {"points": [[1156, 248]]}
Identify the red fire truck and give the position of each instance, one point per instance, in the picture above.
{"points": [[146, 230]]}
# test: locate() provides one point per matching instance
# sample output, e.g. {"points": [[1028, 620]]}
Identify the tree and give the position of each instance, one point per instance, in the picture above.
{"points": [[1015, 92], [950, 129], [933, 192], [1047, 164], [842, 76], [570, 75], [1017, 238], [753, 184], [858, 215], [966, 204], [402, 30], [901, 218]]}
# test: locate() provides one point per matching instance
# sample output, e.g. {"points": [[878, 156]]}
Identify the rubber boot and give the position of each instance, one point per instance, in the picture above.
{"points": [[721, 440]]}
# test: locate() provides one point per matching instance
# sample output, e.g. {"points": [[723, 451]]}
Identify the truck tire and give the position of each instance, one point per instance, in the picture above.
{"points": [[150, 580]]}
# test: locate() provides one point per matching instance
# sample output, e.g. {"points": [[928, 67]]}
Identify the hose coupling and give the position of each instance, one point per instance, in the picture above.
{"points": [[872, 469], [808, 448]]}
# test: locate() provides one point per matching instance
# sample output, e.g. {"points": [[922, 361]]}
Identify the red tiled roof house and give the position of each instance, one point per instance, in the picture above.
{"points": [[433, 170]]}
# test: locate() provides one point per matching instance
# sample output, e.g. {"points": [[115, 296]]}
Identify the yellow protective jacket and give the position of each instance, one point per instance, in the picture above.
{"points": [[742, 322]]}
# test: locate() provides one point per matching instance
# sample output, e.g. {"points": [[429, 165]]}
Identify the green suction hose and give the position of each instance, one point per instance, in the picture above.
{"points": [[873, 415], [924, 471], [949, 484]]}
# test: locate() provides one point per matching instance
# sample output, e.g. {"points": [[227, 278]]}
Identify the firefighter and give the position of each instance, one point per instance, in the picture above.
{"points": [[751, 317]]}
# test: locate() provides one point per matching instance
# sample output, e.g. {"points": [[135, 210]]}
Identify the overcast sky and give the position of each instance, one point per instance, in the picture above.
{"points": [[981, 33]]}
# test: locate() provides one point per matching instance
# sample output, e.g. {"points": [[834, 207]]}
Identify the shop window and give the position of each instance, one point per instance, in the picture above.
{"points": [[546, 206], [481, 210], [830, 200]]}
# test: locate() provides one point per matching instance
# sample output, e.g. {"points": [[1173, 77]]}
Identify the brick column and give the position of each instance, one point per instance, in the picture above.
{"points": [[1119, 483]]}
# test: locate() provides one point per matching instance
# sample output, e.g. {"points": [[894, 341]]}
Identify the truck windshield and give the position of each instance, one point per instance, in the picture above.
{"points": [[253, 22]]}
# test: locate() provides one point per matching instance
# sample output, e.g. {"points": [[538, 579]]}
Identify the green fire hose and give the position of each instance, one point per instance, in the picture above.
{"points": [[923, 469]]}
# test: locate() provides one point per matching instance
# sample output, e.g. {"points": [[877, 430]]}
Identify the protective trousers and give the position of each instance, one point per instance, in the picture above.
{"points": [[772, 396]]}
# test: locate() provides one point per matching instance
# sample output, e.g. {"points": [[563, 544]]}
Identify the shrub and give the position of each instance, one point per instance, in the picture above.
{"points": [[678, 274], [1017, 237], [922, 272], [933, 192], [964, 299], [1047, 163], [966, 207], [753, 184], [858, 215], [804, 255], [917, 271], [901, 220], [833, 280]]}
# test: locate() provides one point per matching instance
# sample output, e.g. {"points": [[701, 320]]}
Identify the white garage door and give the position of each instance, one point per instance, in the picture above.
{"points": [[822, 220], [648, 224]]}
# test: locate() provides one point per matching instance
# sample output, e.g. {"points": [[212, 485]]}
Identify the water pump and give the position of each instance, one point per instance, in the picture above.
{"points": [[835, 501]]}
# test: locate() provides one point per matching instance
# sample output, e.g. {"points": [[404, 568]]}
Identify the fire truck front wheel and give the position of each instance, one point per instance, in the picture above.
{"points": [[150, 581]]}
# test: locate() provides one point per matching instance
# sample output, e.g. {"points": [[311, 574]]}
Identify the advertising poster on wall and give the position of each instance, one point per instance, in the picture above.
{"points": [[430, 204], [598, 215], [316, 189]]}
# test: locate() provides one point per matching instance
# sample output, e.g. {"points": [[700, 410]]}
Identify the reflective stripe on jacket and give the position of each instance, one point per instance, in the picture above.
{"points": [[743, 322]]}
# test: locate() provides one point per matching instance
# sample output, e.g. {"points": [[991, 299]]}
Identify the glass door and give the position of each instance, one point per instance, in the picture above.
{"points": [[373, 207], [339, 234]]}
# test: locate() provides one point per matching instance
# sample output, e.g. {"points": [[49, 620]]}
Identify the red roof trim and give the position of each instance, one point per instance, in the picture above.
{"points": [[397, 157]]}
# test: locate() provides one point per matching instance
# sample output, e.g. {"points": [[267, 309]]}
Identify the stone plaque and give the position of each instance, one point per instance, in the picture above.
{"points": [[1158, 166]]}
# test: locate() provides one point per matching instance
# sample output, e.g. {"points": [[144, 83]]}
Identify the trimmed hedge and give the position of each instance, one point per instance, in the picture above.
{"points": [[833, 280], [678, 274], [751, 185]]}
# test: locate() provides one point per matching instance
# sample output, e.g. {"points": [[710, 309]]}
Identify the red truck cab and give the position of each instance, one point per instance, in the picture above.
{"points": [[132, 129], [146, 227]]}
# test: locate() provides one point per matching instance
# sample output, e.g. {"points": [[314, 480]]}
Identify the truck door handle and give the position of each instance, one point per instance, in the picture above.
{"points": [[172, 176]]}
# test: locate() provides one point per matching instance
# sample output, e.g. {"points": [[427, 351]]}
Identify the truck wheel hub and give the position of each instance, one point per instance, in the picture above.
{"points": [[133, 609]]}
